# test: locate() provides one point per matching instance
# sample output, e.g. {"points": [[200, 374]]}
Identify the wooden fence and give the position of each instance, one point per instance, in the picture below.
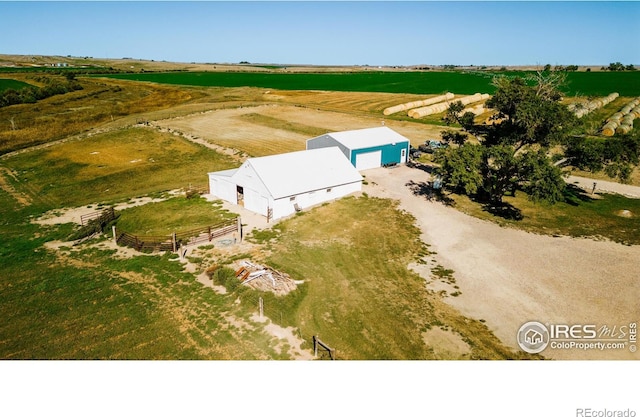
{"points": [[105, 216], [175, 241], [196, 191]]}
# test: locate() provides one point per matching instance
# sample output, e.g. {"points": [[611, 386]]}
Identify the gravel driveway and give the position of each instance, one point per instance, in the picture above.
{"points": [[509, 277]]}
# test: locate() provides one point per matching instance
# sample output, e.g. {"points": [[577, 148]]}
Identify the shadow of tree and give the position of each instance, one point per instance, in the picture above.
{"points": [[419, 165], [426, 190], [574, 195], [504, 210]]}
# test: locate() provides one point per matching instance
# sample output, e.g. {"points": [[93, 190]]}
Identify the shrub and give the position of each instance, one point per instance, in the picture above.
{"points": [[224, 276]]}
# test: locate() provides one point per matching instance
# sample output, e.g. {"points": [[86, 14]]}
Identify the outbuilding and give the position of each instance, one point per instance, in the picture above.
{"points": [[279, 185], [366, 148]]}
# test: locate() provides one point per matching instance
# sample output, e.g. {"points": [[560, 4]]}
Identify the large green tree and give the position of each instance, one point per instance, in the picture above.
{"points": [[615, 156], [512, 153]]}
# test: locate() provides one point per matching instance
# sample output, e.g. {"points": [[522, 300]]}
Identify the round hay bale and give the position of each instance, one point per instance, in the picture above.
{"points": [[615, 118], [425, 111], [419, 103], [622, 129], [609, 129]]}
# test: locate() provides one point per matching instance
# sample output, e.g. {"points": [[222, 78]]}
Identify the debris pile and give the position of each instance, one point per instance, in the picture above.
{"points": [[263, 278]]}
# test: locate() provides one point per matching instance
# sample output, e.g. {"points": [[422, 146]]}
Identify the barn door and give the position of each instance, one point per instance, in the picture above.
{"points": [[240, 195]]}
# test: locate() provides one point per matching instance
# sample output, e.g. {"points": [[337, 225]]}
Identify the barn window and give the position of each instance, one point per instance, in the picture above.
{"points": [[292, 198], [328, 190]]}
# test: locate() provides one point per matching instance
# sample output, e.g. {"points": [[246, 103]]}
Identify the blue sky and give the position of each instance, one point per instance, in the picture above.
{"points": [[329, 32]]}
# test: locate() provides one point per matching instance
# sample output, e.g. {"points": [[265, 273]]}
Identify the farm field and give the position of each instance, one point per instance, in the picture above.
{"points": [[122, 139], [270, 129], [8, 83], [578, 83]]}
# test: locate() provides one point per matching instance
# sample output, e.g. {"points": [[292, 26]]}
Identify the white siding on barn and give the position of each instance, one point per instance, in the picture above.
{"points": [[223, 187], [368, 160], [279, 182], [255, 202], [285, 206]]}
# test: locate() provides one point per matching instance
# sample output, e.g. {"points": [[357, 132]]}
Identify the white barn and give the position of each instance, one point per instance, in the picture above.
{"points": [[279, 185]]}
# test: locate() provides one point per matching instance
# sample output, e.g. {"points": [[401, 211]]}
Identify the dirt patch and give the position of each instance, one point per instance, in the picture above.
{"points": [[285, 335], [508, 277], [446, 344], [5, 185]]}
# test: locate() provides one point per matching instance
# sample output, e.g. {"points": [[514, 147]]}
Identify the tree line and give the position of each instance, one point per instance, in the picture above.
{"points": [[32, 94], [523, 145]]}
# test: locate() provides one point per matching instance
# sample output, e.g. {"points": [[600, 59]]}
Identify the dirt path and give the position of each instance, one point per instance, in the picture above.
{"points": [[630, 191], [5, 185], [509, 277]]}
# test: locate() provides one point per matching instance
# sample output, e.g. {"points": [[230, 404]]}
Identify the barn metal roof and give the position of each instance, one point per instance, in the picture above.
{"points": [[367, 138], [295, 173]]}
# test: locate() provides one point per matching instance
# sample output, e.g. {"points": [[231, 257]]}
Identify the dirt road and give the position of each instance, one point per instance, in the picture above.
{"points": [[509, 277], [601, 186]]}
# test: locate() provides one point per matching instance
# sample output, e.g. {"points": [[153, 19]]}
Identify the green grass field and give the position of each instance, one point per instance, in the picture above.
{"points": [[176, 214], [7, 83], [578, 83], [579, 216], [84, 303]]}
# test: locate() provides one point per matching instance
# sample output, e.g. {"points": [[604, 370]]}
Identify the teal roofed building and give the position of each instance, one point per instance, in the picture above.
{"points": [[366, 148]]}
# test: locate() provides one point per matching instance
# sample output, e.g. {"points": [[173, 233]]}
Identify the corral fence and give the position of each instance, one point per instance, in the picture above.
{"points": [[175, 241], [93, 223], [194, 191], [102, 216]]}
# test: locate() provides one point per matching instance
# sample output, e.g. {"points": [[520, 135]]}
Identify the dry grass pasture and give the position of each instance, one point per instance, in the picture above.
{"points": [[269, 129]]}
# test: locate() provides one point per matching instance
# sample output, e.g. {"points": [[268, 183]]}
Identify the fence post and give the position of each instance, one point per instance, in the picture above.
{"points": [[239, 221], [115, 235], [174, 242], [315, 347]]}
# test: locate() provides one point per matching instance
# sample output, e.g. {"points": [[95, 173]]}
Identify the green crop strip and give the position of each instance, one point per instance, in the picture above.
{"points": [[583, 83]]}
